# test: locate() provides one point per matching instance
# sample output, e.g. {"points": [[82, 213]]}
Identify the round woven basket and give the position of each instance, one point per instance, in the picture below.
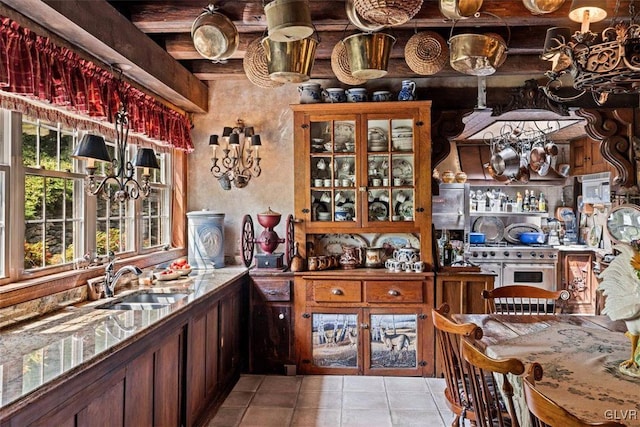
{"points": [[426, 53], [255, 66], [340, 65], [388, 12]]}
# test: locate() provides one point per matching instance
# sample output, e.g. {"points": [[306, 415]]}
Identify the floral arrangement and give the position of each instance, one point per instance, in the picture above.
{"points": [[635, 259]]}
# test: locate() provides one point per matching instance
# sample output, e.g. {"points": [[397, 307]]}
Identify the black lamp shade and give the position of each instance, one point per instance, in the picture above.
{"points": [[555, 36], [213, 140], [248, 131], [146, 158], [92, 147], [227, 131], [255, 141], [234, 139]]}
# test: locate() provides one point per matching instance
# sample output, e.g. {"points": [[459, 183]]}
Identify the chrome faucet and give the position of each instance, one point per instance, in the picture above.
{"points": [[111, 278]]}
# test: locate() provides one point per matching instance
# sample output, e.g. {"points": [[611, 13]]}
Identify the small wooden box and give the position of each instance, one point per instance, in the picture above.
{"points": [[269, 260]]}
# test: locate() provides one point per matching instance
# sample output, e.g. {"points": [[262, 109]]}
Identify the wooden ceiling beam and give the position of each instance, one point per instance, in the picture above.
{"points": [[398, 68], [180, 46], [108, 36], [330, 15]]}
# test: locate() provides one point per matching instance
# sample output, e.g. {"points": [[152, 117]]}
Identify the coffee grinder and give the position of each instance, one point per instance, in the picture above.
{"points": [[268, 241]]}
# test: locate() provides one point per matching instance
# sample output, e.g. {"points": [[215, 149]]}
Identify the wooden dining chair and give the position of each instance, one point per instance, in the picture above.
{"points": [[509, 300], [545, 412], [490, 386], [448, 334]]}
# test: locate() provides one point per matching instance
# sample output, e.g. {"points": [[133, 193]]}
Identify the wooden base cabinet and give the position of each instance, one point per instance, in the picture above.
{"points": [[463, 291], [378, 325], [576, 276], [271, 322]]}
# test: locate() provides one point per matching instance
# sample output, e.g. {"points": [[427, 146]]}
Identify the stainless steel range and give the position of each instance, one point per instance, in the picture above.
{"points": [[518, 264]]}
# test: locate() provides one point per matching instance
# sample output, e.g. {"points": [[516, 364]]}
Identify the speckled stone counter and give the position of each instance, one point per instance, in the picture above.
{"points": [[37, 352]]}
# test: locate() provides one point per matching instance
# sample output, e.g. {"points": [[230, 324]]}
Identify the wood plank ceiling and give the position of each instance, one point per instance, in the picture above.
{"points": [[167, 24]]}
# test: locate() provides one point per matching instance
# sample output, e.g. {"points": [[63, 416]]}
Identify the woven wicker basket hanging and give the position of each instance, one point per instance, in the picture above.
{"points": [[255, 66], [340, 65], [426, 53], [388, 12]]}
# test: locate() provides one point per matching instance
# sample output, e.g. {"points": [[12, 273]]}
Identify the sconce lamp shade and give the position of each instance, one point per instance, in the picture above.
{"points": [[248, 132], [92, 147], [227, 131], [596, 9], [146, 158], [255, 141], [234, 139], [213, 140], [554, 37]]}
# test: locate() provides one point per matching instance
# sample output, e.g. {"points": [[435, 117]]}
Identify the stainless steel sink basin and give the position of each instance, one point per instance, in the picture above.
{"points": [[145, 301]]}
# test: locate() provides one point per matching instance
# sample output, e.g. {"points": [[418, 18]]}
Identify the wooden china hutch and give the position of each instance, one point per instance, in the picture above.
{"points": [[363, 169]]}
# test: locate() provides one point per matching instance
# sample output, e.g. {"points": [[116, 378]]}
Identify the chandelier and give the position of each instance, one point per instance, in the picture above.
{"points": [[603, 64], [119, 185], [238, 162]]}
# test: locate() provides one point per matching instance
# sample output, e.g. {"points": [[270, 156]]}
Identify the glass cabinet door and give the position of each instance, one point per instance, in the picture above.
{"points": [[390, 170], [394, 341], [333, 161]]}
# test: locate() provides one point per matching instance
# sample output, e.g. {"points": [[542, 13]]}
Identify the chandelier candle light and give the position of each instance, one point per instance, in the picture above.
{"points": [[120, 185], [237, 164], [603, 64]]}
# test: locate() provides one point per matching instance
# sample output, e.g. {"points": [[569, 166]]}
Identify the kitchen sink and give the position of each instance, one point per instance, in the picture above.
{"points": [[145, 301]]}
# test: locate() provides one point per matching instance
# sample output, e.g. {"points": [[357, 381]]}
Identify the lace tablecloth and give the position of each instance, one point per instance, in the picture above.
{"points": [[580, 366]]}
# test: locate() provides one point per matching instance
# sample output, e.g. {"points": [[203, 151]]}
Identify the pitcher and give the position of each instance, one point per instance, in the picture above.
{"points": [[373, 257], [408, 91], [310, 93], [351, 257]]}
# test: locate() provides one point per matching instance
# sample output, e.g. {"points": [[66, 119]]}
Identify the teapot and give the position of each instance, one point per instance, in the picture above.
{"points": [[406, 254], [351, 257], [373, 257]]}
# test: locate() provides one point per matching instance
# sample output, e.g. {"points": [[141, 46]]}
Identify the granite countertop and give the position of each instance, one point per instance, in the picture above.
{"points": [[35, 353]]}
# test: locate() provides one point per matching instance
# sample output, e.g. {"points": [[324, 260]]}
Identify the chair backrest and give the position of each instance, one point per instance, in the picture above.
{"points": [[491, 389], [448, 334], [520, 299], [545, 412]]}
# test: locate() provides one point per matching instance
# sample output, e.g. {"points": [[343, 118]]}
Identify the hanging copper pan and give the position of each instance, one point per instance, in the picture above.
{"points": [[214, 35], [459, 9], [539, 7]]}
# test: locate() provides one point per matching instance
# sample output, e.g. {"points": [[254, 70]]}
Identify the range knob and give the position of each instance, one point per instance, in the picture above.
{"points": [[541, 255], [474, 254], [519, 254], [506, 253], [484, 254], [533, 254], [492, 253]]}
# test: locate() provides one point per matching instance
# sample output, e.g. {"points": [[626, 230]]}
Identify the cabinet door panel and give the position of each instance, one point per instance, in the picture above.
{"points": [[138, 392], [108, 409], [271, 337], [167, 375], [393, 341], [335, 340]]}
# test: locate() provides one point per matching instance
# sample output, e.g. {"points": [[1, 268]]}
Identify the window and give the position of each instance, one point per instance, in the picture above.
{"points": [[53, 221]]}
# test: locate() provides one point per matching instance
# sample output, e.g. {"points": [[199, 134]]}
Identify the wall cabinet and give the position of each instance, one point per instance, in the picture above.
{"points": [[577, 276], [586, 157], [367, 325], [363, 167], [271, 322], [169, 376]]}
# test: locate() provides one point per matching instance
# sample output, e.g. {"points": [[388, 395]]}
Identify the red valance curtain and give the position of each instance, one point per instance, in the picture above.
{"points": [[33, 66]]}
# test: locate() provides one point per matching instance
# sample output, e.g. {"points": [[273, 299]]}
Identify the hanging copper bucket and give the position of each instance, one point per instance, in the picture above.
{"points": [[459, 9], [214, 35], [288, 20], [290, 62], [368, 54]]}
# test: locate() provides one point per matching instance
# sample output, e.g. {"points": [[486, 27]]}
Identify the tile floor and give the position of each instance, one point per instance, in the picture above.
{"points": [[332, 401]]}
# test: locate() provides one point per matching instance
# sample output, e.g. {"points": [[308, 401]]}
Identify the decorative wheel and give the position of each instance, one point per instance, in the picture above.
{"points": [[289, 242], [248, 240]]}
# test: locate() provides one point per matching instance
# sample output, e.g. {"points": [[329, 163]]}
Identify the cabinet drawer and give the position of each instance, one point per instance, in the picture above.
{"points": [[409, 291], [337, 291], [273, 290]]}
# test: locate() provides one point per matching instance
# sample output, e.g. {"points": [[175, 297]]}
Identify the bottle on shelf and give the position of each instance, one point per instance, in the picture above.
{"points": [[542, 203], [533, 202], [518, 202], [525, 201]]}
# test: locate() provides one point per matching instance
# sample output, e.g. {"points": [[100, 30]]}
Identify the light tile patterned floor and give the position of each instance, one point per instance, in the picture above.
{"points": [[332, 401]]}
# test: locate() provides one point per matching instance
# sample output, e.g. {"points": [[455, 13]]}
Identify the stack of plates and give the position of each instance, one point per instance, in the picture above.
{"points": [[402, 138]]}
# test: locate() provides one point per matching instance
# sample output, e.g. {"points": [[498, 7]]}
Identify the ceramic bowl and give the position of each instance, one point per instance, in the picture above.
{"points": [[165, 275]]}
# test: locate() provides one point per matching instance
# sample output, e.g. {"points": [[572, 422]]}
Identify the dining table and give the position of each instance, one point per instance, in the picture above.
{"points": [[579, 356]]}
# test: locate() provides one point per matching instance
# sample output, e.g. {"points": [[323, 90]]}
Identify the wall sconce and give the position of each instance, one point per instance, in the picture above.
{"points": [[238, 162], [120, 185]]}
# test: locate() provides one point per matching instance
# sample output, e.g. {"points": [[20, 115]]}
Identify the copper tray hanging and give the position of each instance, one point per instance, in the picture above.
{"points": [[214, 36]]}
